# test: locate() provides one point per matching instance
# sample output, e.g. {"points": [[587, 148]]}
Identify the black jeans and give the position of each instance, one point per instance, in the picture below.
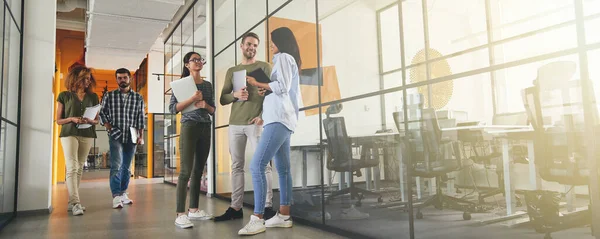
{"points": [[194, 146]]}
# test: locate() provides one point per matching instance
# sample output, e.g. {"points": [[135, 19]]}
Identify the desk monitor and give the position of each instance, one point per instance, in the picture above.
{"points": [[467, 123], [460, 116], [446, 123], [517, 118]]}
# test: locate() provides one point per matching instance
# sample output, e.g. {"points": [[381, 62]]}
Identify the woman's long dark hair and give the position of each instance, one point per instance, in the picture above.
{"points": [[286, 42], [186, 59]]}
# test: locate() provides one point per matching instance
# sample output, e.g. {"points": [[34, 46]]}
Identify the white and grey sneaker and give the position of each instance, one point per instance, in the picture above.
{"points": [[254, 226], [117, 202], [199, 215], [77, 210], [279, 221], [126, 200], [183, 222], [70, 207], [353, 214]]}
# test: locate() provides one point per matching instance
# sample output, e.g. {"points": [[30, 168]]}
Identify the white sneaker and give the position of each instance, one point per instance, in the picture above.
{"points": [[183, 222], [125, 199], [199, 215], [254, 226], [70, 207], [77, 210], [353, 214], [117, 202], [279, 221]]}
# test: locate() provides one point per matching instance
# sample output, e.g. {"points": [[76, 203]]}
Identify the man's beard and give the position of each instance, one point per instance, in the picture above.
{"points": [[249, 54], [124, 85]]}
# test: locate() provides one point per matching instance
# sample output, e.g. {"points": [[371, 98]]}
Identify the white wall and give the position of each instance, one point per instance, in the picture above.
{"points": [[35, 162], [156, 88]]}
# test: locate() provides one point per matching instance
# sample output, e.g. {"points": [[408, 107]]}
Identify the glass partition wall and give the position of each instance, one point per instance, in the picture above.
{"points": [[189, 35], [11, 51], [448, 109]]}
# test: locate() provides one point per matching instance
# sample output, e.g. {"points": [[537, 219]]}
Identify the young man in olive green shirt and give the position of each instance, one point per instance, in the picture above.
{"points": [[245, 124]]}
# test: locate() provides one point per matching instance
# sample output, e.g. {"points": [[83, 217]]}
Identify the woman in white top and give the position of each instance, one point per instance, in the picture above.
{"points": [[280, 115]]}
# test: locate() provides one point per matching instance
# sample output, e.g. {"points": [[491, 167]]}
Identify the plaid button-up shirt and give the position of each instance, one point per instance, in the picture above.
{"points": [[122, 111]]}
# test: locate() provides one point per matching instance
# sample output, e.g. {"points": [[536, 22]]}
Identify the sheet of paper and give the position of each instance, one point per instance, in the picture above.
{"points": [[134, 135], [183, 89], [90, 113], [239, 80]]}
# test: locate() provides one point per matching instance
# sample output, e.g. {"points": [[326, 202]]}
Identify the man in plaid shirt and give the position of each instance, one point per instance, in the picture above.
{"points": [[122, 109]]}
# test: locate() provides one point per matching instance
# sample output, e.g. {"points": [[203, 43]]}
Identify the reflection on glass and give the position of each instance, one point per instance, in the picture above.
{"points": [[389, 30], [591, 7], [414, 34], [591, 35], [541, 43], [453, 29], [15, 8], [8, 160], [351, 66], [248, 14], [510, 81], [363, 168], [10, 86], [223, 164], [513, 17], [224, 28], [222, 63], [275, 4], [160, 162]]}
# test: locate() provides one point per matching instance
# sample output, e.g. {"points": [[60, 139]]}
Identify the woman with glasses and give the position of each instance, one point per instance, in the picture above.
{"points": [[280, 115], [194, 142], [77, 133]]}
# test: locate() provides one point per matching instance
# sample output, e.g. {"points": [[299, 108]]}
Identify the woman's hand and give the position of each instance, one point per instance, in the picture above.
{"points": [[201, 104], [251, 80], [77, 120], [90, 121], [197, 96], [262, 91]]}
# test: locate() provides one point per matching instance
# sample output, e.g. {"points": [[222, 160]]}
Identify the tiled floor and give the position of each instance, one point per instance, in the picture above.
{"points": [[151, 216]]}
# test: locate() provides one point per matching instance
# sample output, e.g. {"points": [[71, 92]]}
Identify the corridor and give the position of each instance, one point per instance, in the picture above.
{"points": [[151, 216]]}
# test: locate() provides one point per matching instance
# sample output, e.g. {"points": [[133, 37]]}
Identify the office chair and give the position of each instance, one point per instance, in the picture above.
{"points": [[485, 151], [432, 158], [340, 156], [560, 151]]}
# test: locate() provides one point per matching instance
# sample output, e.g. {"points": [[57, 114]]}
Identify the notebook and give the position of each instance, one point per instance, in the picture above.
{"points": [[261, 77]]}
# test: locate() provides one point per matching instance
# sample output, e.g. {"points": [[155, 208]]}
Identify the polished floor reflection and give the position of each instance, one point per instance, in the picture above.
{"points": [[151, 216]]}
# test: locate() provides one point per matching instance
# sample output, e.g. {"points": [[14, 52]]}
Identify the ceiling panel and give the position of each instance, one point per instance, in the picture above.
{"points": [[129, 34], [156, 9], [121, 33]]}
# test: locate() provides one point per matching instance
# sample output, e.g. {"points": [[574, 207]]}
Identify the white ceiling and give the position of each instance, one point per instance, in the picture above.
{"points": [[121, 33]]}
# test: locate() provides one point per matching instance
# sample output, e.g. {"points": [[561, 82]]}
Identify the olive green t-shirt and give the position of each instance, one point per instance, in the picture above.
{"points": [[242, 112], [73, 107]]}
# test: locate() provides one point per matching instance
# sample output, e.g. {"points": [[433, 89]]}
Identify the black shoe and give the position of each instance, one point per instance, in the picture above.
{"points": [[269, 213], [230, 214]]}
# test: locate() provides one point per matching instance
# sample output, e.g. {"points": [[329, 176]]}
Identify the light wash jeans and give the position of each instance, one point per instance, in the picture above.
{"points": [[274, 143], [121, 155]]}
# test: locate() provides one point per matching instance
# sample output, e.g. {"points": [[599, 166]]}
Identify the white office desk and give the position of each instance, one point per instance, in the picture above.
{"points": [[505, 131]]}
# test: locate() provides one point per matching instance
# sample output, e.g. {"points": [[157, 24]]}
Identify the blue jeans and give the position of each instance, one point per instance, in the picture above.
{"points": [[274, 143], [121, 155]]}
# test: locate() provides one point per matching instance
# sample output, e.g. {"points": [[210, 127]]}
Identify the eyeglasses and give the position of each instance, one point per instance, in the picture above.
{"points": [[198, 60]]}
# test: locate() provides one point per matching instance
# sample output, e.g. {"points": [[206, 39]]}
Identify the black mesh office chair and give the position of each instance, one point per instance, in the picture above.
{"points": [[484, 150], [431, 157], [560, 151], [341, 160]]}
